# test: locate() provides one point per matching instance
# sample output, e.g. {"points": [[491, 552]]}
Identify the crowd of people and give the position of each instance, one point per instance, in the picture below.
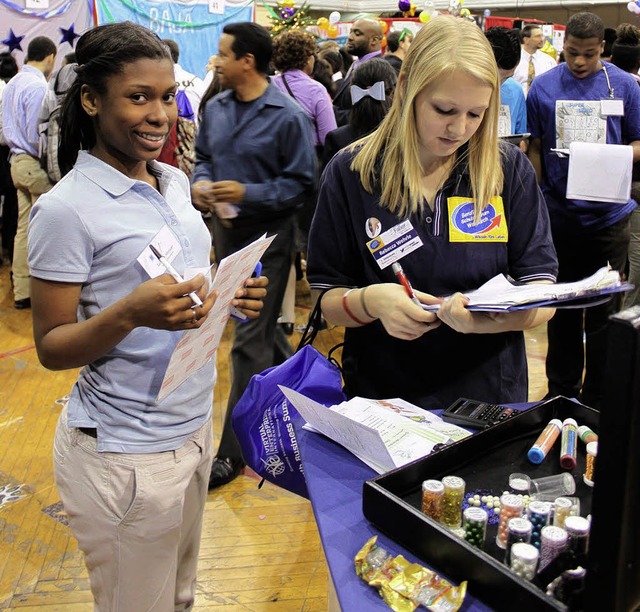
{"points": [[444, 133]]}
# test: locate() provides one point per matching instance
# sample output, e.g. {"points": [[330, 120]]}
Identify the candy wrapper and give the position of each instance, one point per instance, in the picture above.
{"points": [[404, 586]]}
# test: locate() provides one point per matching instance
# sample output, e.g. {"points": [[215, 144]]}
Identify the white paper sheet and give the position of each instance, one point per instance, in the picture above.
{"points": [[600, 172], [579, 121], [379, 436], [499, 293], [198, 347], [362, 441]]}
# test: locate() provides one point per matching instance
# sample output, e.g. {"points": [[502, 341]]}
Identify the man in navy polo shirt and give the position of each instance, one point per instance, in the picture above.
{"points": [[587, 234]]}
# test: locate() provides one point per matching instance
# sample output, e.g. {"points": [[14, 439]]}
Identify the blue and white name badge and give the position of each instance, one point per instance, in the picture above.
{"points": [[612, 108], [394, 244]]}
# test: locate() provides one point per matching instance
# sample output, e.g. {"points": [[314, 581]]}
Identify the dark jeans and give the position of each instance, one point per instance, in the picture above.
{"points": [[579, 257], [255, 346]]}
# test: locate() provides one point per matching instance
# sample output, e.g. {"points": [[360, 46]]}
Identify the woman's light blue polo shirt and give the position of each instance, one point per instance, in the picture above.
{"points": [[90, 229]]}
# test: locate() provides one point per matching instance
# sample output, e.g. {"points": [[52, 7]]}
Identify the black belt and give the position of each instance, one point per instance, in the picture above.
{"points": [[89, 431]]}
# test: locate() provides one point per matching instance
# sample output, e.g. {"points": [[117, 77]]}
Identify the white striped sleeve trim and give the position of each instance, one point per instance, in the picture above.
{"points": [[530, 278]]}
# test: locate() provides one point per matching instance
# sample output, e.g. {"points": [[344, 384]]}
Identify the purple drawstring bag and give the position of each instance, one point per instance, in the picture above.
{"points": [[263, 418]]}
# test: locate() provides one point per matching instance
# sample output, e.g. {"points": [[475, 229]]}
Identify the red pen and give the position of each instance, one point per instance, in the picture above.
{"points": [[404, 281]]}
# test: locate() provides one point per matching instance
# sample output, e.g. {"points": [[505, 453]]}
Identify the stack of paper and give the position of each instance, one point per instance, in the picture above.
{"points": [[198, 347], [501, 295], [384, 434]]}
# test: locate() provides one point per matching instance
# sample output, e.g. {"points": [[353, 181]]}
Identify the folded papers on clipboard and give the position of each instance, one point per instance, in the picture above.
{"points": [[502, 295]]}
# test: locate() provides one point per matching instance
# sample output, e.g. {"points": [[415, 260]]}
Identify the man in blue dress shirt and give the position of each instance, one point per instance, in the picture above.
{"points": [[255, 165], [21, 104]]}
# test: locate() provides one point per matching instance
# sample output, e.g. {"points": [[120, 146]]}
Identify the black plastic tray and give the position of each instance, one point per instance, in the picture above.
{"points": [[392, 502]]}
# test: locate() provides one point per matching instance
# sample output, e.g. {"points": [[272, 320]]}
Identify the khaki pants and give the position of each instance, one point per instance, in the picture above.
{"points": [[30, 181], [137, 518]]}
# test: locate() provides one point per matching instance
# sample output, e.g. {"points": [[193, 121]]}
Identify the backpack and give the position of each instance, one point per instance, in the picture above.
{"points": [[49, 141], [49, 125]]}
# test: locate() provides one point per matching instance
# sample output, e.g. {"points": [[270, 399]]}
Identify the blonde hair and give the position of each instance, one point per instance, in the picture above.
{"points": [[443, 46]]}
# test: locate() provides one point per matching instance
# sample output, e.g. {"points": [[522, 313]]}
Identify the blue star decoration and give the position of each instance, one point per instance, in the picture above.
{"points": [[69, 35], [13, 42]]}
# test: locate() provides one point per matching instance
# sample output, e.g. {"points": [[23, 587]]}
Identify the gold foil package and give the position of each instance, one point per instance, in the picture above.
{"points": [[404, 586]]}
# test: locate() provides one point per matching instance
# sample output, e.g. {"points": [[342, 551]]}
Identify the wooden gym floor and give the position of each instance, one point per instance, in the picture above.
{"points": [[260, 547]]}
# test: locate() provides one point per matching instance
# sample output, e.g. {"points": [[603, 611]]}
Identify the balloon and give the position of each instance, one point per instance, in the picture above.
{"points": [[428, 8], [384, 41], [384, 26], [322, 23], [332, 31], [288, 13], [424, 17], [487, 12], [465, 12], [404, 5], [631, 6], [334, 17]]}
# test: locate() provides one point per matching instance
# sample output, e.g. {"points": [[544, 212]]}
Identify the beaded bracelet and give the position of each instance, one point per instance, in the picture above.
{"points": [[345, 305], [363, 305]]}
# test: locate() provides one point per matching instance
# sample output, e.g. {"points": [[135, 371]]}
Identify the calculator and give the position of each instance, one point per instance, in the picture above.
{"points": [[475, 414]]}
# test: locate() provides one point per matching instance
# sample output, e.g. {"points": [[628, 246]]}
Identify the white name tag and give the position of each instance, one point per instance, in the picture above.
{"points": [[612, 108], [394, 244], [167, 244]]}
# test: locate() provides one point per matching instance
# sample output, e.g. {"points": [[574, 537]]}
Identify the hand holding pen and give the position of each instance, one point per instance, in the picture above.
{"points": [[404, 281], [172, 271], [399, 316], [162, 303]]}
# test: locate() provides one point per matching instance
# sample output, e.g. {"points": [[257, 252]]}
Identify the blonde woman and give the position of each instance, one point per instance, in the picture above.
{"points": [[454, 208]]}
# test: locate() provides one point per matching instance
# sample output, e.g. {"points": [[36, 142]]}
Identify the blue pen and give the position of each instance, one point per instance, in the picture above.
{"points": [[236, 313]]}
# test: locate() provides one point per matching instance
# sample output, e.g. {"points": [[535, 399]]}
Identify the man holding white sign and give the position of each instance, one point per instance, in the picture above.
{"points": [[589, 101]]}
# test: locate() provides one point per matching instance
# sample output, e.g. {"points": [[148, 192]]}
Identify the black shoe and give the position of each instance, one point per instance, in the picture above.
{"points": [[287, 328], [22, 304], [224, 470]]}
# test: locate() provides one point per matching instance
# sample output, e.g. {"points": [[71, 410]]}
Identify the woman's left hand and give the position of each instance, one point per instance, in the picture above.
{"points": [[249, 298], [454, 313]]}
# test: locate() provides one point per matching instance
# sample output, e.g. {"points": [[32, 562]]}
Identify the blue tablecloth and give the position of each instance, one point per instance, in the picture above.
{"points": [[334, 479]]}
